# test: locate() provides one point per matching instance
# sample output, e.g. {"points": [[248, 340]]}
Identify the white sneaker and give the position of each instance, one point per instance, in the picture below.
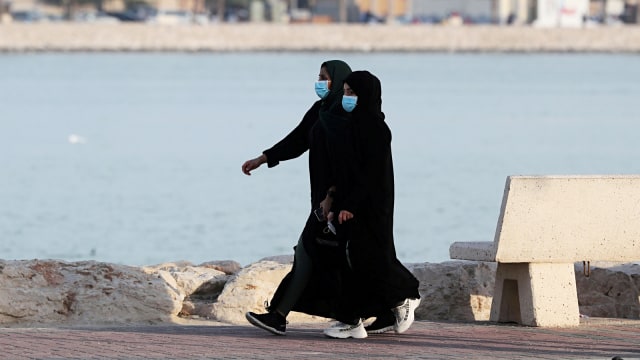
{"points": [[344, 331], [404, 315]]}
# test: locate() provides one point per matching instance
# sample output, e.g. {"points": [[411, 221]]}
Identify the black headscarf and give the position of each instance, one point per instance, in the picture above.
{"points": [[328, 135], [338, 70], [369, 91], [372, 138]]}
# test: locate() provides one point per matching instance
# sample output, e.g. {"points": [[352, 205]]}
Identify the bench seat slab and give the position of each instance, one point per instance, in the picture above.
{"points": [[478, 251]]}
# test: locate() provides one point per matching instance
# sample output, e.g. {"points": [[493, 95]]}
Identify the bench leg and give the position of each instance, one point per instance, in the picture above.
{"points": [[536, 294]]}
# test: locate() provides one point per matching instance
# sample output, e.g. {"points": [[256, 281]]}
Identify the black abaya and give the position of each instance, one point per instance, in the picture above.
{"points": [[379, 281]]}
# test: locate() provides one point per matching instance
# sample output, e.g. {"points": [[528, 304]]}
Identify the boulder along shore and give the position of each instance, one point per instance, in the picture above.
{"points": [[128, 37], [54, 293]]}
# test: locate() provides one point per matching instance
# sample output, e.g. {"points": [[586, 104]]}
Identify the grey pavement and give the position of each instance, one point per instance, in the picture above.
{"points": [[593, 339]]}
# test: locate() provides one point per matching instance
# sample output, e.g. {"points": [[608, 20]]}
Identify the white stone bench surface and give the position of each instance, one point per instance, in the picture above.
{"points": [[563, 219], [546, 224]]}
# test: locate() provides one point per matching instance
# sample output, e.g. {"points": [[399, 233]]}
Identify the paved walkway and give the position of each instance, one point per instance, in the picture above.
{"points": [[425, 340]]}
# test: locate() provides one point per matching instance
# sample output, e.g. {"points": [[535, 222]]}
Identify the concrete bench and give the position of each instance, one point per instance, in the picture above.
{"points": [[546, 224]]}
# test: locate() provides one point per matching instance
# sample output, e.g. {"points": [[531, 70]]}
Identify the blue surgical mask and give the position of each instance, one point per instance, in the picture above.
{"points": [[349, 102], [322, 88]]}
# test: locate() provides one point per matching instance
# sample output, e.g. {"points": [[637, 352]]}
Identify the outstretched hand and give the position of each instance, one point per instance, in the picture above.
{"points": [[253, 164]]}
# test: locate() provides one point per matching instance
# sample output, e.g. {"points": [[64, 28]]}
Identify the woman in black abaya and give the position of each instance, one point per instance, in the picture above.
{"points": [[314, 281], [379, 285]]}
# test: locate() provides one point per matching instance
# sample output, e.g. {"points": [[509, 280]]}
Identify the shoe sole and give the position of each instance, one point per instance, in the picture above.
{"points": [[263, 326], [360, 333], [381, 330], [413, 305], [340, 336]]}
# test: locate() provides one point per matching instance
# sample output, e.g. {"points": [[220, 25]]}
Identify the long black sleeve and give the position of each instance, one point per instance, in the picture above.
{"points": [[296, 142]]}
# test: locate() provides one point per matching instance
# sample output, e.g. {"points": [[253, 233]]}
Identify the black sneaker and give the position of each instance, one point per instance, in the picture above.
{"points": [[271, 321], [383, 323]]}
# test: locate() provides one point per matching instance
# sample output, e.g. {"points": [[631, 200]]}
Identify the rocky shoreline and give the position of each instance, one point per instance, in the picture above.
{"points": [[70, 37], [53, 293]]}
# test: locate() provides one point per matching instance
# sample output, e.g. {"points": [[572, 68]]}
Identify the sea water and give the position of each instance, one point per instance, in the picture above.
{"points": [[135, 158]]}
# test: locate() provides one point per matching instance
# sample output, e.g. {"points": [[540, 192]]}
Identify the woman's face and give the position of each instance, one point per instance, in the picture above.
{"points": [[324, 76], [348, 91]]}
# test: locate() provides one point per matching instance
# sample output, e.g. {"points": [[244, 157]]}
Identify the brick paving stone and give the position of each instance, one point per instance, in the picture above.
{"points": [[593, 339]]}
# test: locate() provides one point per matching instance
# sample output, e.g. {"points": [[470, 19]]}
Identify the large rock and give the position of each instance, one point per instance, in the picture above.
{"points": [[228, 267], [38, 292], [454, 290], [250, 288], [46, 291], [199, 286], [189, 279], [609, 290]]}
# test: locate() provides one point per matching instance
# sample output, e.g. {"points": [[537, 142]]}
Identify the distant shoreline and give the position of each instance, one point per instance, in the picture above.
{"points": [[70, 37]]}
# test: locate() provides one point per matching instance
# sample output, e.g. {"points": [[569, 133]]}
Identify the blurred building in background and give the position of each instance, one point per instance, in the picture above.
{"points": [[541, 13]]}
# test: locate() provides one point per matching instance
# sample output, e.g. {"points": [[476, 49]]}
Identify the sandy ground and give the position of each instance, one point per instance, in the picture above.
{"points": [[61, 37]]}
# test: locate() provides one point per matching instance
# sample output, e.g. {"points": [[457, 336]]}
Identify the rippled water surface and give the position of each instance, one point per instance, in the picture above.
{"points": [[135, 158]]}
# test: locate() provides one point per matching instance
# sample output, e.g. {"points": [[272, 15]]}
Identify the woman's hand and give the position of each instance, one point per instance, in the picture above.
{"points": [[253, 164], [326, 206], [344, 215]]}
